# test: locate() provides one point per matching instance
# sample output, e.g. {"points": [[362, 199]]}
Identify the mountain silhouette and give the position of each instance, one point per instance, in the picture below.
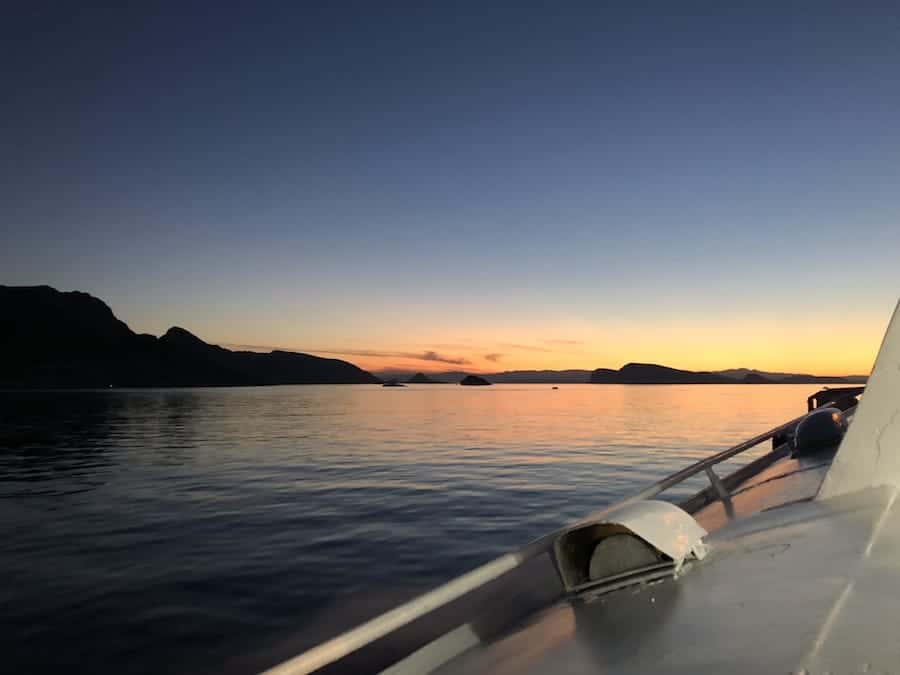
{"points": [[755, 378], [540, 376], [652, 373], [473, 381], [53, 339], [422, 378]]}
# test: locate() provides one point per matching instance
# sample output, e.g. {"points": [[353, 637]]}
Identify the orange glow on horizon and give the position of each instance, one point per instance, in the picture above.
{"points": [[775, 345]]}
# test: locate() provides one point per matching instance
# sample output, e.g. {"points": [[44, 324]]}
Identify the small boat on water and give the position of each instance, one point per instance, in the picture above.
{"points": [[786, 565], [392, 383]]}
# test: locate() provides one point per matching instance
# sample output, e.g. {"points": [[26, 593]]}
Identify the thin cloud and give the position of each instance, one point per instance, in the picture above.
{"points": [[562, 342], [428, 355], [527, 348], [493, 357], [434, 356]]}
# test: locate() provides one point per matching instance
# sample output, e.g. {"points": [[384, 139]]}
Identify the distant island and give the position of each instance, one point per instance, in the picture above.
{"points": [[651, 373], [511, 376], [473, 381], [540, 377], [422, 378], [53, 339]]}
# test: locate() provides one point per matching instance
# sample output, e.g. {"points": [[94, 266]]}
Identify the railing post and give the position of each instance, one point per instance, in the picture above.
{"points": [[721, 491]]}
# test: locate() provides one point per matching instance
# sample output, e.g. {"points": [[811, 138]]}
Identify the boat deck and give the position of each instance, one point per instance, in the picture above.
{"points": [[790, 479], [803, 588]]}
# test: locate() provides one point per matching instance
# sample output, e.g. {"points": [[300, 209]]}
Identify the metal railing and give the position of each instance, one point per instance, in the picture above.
{"points": [[706, 465], [709, 462]]}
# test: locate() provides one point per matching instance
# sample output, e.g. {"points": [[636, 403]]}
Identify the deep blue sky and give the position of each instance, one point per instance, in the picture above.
{"points": [[642, 180]]}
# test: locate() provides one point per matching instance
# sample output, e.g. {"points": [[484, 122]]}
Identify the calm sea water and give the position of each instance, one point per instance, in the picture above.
{"points": [[174, 530]]}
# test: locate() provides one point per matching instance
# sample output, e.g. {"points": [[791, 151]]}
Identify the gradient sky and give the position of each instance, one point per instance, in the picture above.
{"points": [[475, 186]]}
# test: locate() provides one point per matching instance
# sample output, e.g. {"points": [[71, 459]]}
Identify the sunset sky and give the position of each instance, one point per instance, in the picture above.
{"points": [[465, 186]]}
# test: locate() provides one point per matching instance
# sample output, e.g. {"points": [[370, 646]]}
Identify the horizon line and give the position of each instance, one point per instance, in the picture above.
{"points": [[461, 367]]}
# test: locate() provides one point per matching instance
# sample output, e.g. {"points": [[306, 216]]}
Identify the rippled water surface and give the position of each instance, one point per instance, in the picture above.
{"points": [[174, 530]]}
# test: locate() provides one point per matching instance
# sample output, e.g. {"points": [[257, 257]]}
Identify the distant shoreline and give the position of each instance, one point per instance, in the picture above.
{"points": [[188, 387], [60, 341], [646, 373]]}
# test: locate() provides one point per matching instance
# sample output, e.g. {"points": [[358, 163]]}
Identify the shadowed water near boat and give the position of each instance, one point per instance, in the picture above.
{"points": [[187, 530]]}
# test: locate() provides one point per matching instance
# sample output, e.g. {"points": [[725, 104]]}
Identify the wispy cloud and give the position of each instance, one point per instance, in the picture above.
{"points": [[427, 355], [434, 356], [493, 357], [527, 348], [562, 342]]}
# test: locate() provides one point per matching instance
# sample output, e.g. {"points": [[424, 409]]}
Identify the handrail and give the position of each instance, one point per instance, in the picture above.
{"points": [[341, 645], [719, 457], [708, 462]]}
